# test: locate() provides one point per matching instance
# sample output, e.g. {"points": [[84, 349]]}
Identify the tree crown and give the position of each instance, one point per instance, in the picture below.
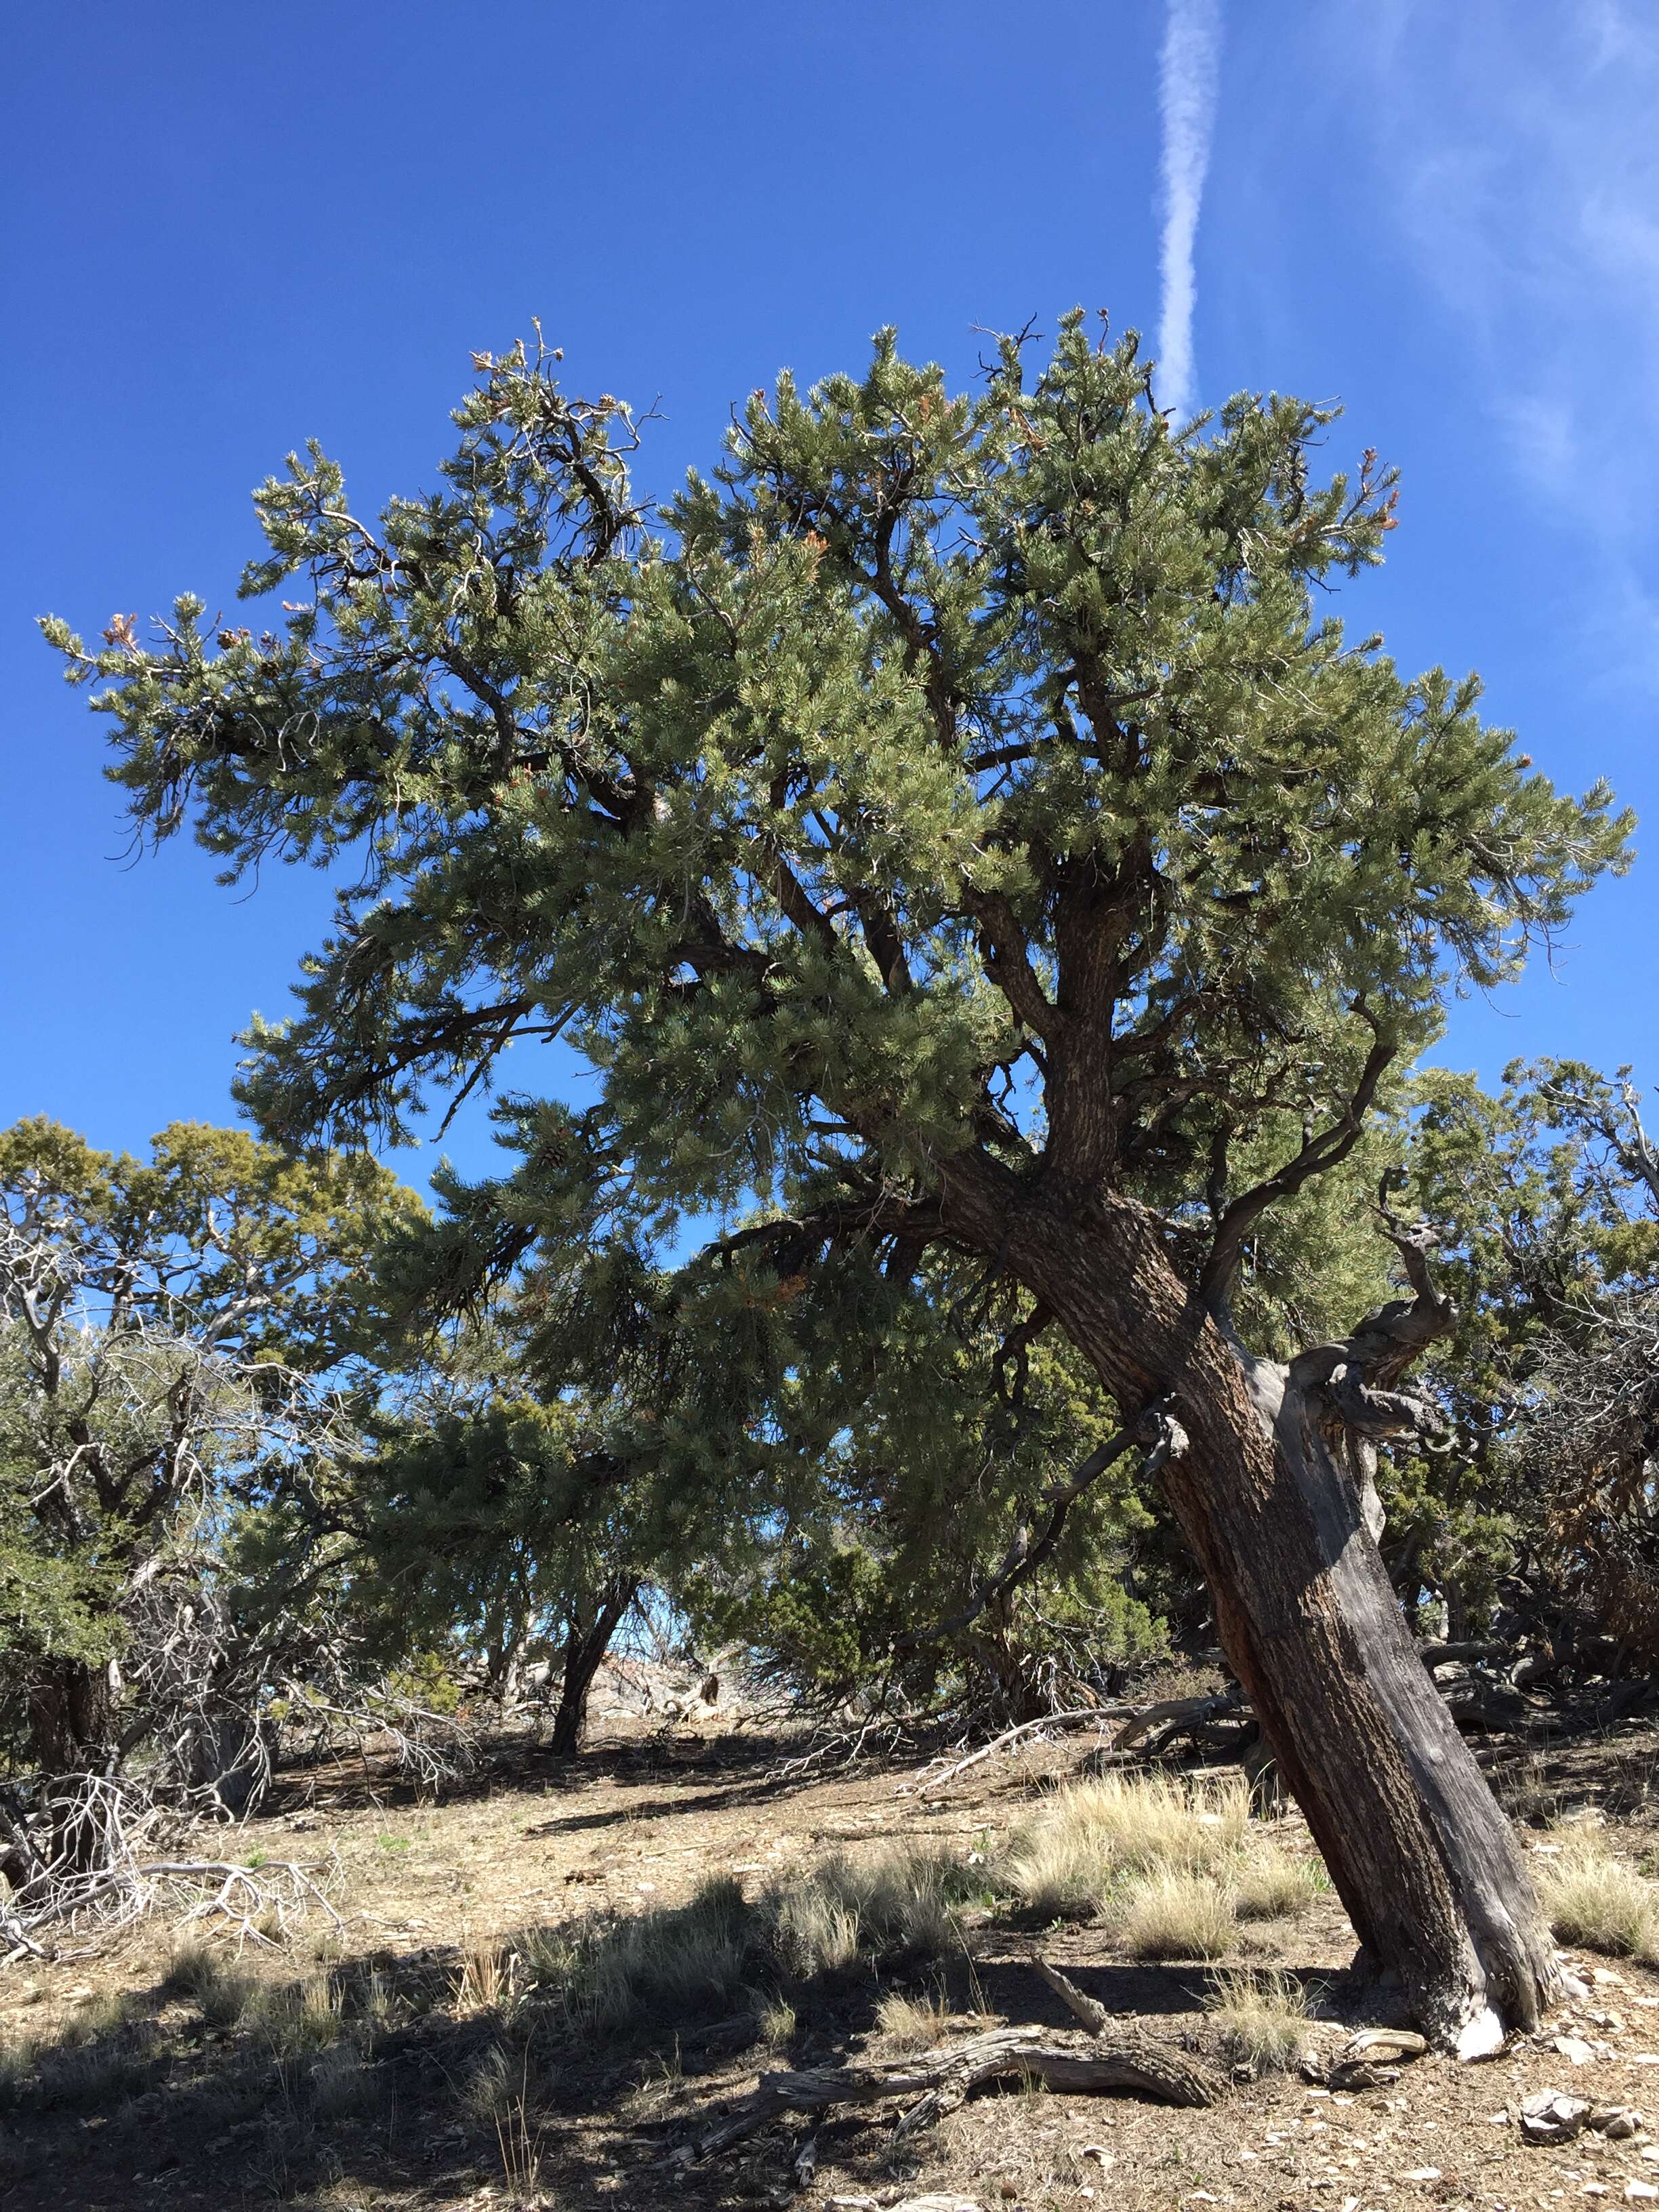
{"points": [[942, 773]]}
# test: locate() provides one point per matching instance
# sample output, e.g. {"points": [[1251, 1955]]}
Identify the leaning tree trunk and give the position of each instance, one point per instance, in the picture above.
{"points": [[1265, 1489], [587, 1638]]}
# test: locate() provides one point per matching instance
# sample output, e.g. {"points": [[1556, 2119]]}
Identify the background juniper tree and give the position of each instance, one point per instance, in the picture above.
{"points": [[1535, 1513], [163, 1326], [962, 822]]}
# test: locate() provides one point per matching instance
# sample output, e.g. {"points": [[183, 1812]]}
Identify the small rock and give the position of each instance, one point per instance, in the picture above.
{"points": [[1618, 2123], [1549, 2115], [1574, 2049], [1422, 2173], [938, 2204], [1642, 2189], [1607, 1978]]}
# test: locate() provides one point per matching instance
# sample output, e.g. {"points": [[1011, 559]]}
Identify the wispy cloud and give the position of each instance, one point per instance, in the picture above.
{"points": [[1517, 153], [1187, 95]]}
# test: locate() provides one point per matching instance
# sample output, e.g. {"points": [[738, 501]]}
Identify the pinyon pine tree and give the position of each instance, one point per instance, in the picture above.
{"points": [[960, 820]]}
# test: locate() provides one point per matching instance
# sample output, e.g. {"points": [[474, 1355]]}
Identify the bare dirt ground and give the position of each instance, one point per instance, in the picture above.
{"points": [[172, 2105]]}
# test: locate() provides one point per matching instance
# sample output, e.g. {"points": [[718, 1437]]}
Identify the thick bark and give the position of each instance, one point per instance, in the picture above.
{"points": [[586, 1641], [1267, 1493], [71, 1717], [71, 1708]]}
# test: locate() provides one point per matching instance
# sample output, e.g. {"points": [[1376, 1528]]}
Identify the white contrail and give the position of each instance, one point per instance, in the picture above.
{"points": [[1187, 83]]}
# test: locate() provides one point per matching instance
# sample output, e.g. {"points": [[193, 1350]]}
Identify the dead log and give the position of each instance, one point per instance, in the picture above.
{"points": [[1093, 2015], [935, 2082], [1078, 1717], [1187, 1713]]}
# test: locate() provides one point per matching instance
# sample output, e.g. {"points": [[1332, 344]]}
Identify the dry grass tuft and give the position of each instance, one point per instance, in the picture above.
{"points": [[491, 2086], [909, 2023], [18, 2057], [1175, 1916], [1275, 1887], [342, 2087], [96, 2018], [1086, 1840], [226, 1994], [814, 1931], [302, 2021], [483, 1981], [1594, 1899], [1262, 2019], [777, 2023], [901, 1898], [664, 1963], [192, 1969]]}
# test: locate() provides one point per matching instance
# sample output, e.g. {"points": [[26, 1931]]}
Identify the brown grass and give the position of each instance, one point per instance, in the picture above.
{"points": [[1594, 1899], [1261, 2018], [1175, 1916]]}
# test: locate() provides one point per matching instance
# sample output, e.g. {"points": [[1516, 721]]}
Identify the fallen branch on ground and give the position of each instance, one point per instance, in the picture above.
{"points": [[125, 1874], [1093, 2015], [1189, 1713], [244, 1895], [926, 1787], [936, 2081]]}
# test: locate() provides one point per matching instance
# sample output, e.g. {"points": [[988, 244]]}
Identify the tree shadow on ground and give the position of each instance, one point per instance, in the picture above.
{"points": [[414, 2080]]}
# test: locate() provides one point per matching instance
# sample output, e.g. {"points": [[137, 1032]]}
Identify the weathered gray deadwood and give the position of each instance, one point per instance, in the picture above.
{"points": [[934, 2081], [1093, 2015]]}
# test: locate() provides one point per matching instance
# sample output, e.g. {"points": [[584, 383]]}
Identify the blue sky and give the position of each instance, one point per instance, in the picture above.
{"points": [[233, 228]]}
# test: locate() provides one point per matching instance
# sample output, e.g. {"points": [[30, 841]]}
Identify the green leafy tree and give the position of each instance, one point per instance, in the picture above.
{"points": [[1548, 1196], [959, 1515], [961, 821], [162, 1323]]}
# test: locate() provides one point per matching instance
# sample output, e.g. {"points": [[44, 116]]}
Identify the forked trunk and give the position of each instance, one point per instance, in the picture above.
{"points": [[1266, 1493], [587, 1638]]}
